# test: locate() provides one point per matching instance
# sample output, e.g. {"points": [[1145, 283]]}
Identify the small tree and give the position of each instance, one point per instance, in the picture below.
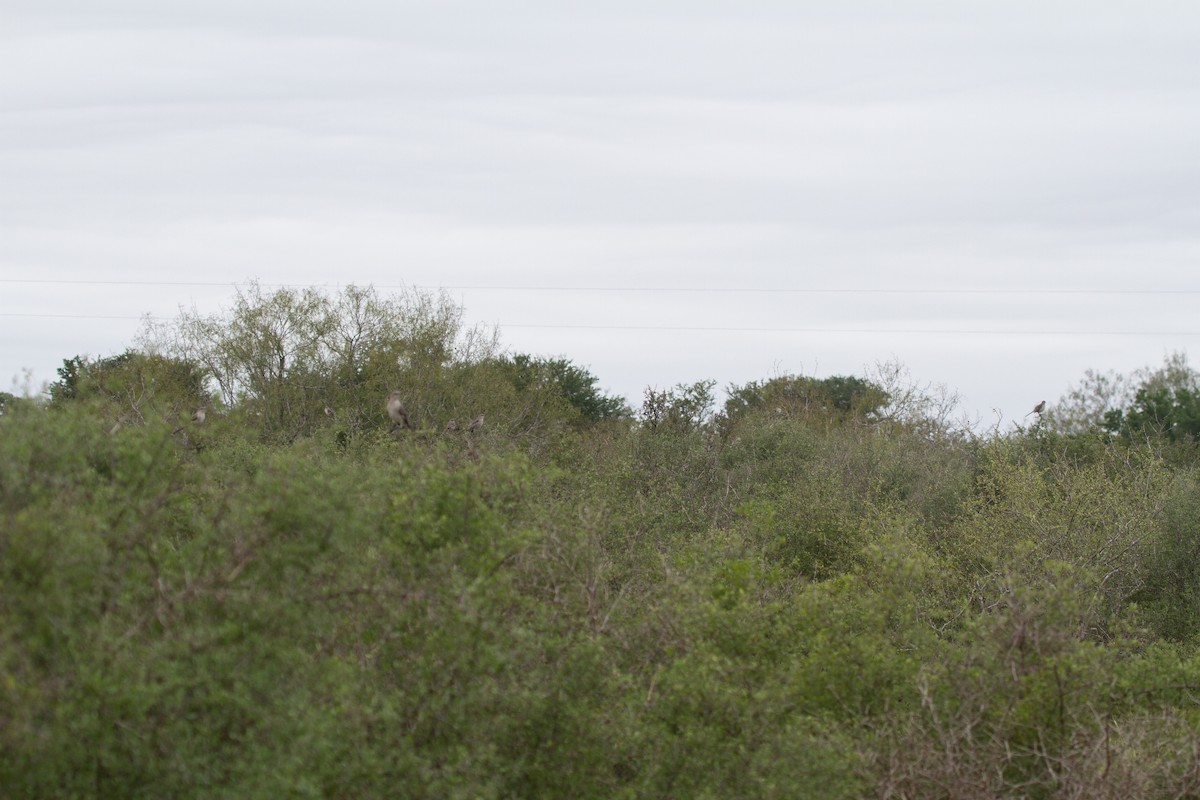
{"points": [[1173, 413], [1091, 404], [686, 408], [285, 356], [133, 382], [576, 385], [838, 396]]}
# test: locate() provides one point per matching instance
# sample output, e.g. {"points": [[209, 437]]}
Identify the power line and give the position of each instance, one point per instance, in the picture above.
{"points": [[83, 316], [718, 328], [616, 289]]}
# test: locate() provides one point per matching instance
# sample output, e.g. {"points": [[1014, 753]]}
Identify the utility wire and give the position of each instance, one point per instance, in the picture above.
{"points": [[616, 289], [696, 328], [715, 328]]}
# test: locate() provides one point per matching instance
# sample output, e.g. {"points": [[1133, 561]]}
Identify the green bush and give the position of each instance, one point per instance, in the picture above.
{"points": [[827, 601]]}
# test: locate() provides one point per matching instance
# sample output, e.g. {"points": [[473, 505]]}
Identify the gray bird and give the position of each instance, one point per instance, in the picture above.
{"points": [[1038, 409], [396, 410], [475, 424], [198, 416], [452, 426]]}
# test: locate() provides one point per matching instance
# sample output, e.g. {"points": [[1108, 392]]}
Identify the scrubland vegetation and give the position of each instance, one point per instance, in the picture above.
{"points": [[821, 589]]}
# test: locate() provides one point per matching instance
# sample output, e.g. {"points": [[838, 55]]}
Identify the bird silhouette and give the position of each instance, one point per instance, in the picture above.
{"points": [[1038, 409], [396, 410]]}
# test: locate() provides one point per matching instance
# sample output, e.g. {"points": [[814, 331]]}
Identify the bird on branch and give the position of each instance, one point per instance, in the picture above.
{"points": [[397, 412]]}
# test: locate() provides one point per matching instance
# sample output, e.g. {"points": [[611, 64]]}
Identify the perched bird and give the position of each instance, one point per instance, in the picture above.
{"points": [[475, 424], [122, 421], [1038, 409], [396, 411], [452, 426], [198, 416]]}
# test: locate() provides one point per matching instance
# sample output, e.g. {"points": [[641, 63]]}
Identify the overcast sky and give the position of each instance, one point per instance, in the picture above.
{"points": [[698, 172]]}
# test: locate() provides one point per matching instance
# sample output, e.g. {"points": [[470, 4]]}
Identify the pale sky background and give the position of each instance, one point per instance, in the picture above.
{"points": [[1032, 167]]}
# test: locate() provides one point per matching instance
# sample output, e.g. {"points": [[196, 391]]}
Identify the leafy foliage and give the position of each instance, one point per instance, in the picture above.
{"points": [[1159, 411], [841, 599], [836, 396], [1148, 402], [576, 384], [133, 383]]}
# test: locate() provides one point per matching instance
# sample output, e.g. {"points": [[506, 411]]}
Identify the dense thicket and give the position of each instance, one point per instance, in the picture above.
{"points": [[819, 591]]}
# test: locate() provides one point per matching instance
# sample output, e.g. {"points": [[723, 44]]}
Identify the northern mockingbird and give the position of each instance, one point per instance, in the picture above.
{"points": [[396, 410], [1038, 409]]}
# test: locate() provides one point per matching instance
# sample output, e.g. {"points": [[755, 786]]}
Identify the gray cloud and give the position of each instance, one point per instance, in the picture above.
{"points": [[852, 145]]}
